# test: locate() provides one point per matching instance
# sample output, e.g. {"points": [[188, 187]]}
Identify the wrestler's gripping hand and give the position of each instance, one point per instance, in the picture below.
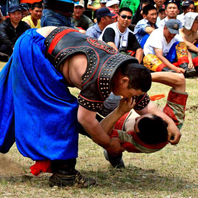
{"points": [[125, 105], [174, 134]]}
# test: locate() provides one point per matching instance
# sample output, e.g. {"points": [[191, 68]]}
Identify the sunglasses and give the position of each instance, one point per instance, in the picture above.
{"points": [[125, 16]]}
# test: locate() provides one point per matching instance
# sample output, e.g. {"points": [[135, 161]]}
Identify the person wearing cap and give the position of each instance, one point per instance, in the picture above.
{"points": [[187, 6], [171, 11], [11, 29], [146, 26], [57, 12], [114, 4], [34, 19], [118, 35], [104, 17], [79, 19], [25, 9], [189, 33], [164, 47]]}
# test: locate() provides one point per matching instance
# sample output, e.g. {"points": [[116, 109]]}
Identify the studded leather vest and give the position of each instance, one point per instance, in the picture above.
{"points": [[102, 60]]}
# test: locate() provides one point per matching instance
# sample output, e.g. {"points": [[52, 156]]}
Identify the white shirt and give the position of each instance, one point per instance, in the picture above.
{"points": [[157, 40]]}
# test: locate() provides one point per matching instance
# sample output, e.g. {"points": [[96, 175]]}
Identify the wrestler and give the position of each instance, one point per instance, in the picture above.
{"points": [[38, 111], [146, 133]]}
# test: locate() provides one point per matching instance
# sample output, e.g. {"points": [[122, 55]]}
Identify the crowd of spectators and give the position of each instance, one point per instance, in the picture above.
{"points": [[129, 26]]}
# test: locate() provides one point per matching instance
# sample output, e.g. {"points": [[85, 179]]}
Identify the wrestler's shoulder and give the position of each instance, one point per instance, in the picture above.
{"points": [[45, 31]]}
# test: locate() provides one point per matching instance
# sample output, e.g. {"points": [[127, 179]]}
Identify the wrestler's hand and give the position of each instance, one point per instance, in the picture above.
{"points": [[174, 134], [125, 105], [114, 148], [179, 70], [190, 65]]}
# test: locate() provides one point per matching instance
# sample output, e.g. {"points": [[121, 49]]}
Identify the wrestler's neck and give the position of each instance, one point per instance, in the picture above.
{"points": [[73, 69]]}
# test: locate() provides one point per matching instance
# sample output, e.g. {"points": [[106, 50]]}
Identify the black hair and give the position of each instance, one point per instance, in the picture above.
{"points": [[170, 3], [147, 8], [36, 5], [139, 76], [153, 130], [125, 9]]}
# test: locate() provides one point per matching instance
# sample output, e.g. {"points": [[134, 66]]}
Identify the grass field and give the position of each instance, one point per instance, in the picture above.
{"points": [[171, 172]]}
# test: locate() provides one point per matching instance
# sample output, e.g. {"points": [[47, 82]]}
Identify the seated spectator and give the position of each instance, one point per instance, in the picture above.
{"points": [[165, 47], [187, 6], [25, 9], [171, 11], [79, 19], [190, 35], [103, 3], [34, 19], [146, 26], [161, 14], [104, 18], [118, 35], [11, 29], [113, 4], [138, 15]]}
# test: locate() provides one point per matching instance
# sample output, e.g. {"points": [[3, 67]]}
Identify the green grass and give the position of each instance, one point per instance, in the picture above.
{"points": [[169, 173]]}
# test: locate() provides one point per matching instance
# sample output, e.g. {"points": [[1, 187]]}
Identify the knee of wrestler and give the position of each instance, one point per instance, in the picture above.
{"points": [[180, 80]]}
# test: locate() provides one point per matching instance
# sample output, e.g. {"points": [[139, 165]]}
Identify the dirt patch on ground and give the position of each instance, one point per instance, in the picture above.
{"points": [[9, 167]]}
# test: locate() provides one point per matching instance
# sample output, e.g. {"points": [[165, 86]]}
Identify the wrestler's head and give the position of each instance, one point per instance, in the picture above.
{"points": [[131, 79], [191, 21], [151, 129]]}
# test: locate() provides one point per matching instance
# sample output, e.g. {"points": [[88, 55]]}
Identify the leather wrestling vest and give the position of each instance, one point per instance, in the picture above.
{"points": [[102, 60]]}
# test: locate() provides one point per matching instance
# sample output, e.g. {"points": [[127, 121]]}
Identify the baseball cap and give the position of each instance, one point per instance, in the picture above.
{"points": [[112, 2], [104, 12], [14, 8], [103, 1], [173, 26], [24, 6], [190, 17], [171, 1], [187, 3], [80, 4]]}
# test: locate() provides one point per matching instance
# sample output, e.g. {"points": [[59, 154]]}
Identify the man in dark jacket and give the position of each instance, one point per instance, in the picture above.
{"points": [[10, 30]]}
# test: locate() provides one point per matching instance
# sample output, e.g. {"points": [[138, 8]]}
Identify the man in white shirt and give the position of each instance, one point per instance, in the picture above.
{"points": [[165, 47]]}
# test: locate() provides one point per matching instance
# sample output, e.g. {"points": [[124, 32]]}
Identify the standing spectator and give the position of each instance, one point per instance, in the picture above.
{"points": [[187, 6], [161, 14], [158, 4], [104, 18], [146, 26], [25, 9], [103, 3], [79, 19], [171, 13], [34, 19], [11, 29], [118, 35], [57, 13]]}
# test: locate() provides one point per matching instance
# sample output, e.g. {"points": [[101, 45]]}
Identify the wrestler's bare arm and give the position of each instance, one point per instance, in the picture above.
{"points": [[125, 106], [88, 120], [45, 31]]}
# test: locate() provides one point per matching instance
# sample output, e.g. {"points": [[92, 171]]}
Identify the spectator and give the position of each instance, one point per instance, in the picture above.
{"points": [[79, 19], [104, 18], [34, 19], [57, 13], [138, 15], [160, 50], [158, 4], [103, 3], [187, 6], [161, 14], [114, 4], [11, 29], [171, 11], [146, 26], [190, 35], [118, 35], [25, 9], [93, 5]]}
